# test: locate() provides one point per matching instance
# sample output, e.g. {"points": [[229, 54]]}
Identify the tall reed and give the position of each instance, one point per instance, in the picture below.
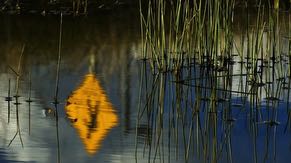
{"points": [[16, 96]]}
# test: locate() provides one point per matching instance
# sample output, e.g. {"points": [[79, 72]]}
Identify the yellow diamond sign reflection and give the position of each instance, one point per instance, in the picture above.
{"points": [[91, 113]]}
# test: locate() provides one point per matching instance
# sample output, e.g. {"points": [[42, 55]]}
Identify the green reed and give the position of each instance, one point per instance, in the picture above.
{"points": [[191, 31], [195, 49]]}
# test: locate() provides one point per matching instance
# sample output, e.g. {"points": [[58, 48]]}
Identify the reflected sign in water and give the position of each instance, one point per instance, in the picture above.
{"points": [[91, 113]]}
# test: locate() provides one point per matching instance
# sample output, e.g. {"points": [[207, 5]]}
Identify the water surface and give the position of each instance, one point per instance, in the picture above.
{"points": [[104, 117]]}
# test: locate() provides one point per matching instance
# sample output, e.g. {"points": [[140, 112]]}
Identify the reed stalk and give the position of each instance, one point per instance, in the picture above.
{"points": [[16, 96]]}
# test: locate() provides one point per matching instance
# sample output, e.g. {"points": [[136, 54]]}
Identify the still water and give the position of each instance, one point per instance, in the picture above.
{"points": [[106, 109]]}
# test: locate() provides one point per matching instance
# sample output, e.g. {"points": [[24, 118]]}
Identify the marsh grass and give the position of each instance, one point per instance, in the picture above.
{"points": [[200, 31], [195, 60], [16, 96]]}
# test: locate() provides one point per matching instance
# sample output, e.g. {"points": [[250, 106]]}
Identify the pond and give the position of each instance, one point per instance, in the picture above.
{"points": [[106, 104]]}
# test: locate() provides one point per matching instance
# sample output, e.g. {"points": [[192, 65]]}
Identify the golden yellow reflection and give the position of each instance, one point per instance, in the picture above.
{"points": [[91, 113]]}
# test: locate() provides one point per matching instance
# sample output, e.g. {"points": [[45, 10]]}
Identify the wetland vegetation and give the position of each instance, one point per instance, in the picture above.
{"points": [[152, 81]]}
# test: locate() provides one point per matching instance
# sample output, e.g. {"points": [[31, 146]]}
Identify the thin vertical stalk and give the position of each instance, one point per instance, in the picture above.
{"points": [[56, 101]]}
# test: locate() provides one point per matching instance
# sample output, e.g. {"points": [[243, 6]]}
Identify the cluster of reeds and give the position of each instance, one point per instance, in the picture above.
{"points": [[200, 30], [16, 97], [218, 79]]}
